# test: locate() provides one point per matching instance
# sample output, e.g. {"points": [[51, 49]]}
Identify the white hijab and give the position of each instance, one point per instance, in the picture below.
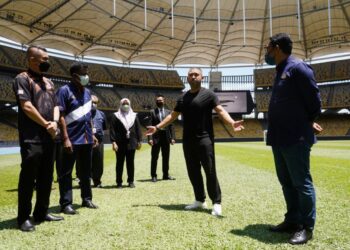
{"points": [[127, 118]]}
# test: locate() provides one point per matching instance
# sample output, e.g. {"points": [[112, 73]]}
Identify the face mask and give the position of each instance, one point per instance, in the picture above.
{"points": [[125, 107], [159, 104], [84, 80], [44, 66], [269, 59], [94, 106]]}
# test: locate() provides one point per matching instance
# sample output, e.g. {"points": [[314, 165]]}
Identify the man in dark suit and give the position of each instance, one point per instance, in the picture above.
{"points": [[161, 139], [294, 106]]}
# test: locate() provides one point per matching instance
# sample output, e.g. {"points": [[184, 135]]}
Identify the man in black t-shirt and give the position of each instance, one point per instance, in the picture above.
{"points": [[196, 107], [38, 115]]}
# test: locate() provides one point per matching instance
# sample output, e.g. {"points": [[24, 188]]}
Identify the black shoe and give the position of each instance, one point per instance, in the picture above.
{"points": [[27, 226], [301, 237], [68, 210], [131, 185], [49, 217], [154, 179], [119, 186], [285, 227], [98, 186], [88, 204], [169, 178]]}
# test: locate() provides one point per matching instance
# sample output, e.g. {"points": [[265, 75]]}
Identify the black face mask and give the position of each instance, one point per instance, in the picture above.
{"points": [[44, 66], [159, 104]]}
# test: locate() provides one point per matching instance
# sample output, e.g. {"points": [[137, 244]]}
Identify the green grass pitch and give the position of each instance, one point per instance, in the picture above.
{"points": [[151, 216]]}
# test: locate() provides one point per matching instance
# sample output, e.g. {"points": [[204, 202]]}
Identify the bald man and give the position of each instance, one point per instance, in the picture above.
{"points": [[38, 116], [196, 107]]}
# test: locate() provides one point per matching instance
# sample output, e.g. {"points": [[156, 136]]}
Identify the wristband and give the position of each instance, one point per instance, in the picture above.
{"points": [[157, 128]]}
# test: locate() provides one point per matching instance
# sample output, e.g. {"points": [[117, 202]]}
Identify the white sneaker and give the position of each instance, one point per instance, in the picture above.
{"points": [[196, 204], [217, 210]]}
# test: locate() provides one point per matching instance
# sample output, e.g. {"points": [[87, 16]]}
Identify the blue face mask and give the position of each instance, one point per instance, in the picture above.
{"points": [[270, 60]]}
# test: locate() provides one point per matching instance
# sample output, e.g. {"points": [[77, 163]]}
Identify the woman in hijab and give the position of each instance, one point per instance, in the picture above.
{"points": [[126, 137]]}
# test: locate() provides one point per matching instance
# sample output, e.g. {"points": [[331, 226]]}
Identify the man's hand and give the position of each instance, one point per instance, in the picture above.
{"points": [[150, 142], [172, 142], [67, 145], [138, 146], [237, 125], [317, 128], [115, 147], [95, 142], [51, 128], [151, 130]]}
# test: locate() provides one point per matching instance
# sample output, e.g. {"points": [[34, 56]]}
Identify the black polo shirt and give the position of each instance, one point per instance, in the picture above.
{"points": [[33, 87], [197, 109]]}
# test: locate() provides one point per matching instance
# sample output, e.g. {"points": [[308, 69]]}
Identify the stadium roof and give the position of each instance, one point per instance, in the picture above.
{"points": [[205, 32]]}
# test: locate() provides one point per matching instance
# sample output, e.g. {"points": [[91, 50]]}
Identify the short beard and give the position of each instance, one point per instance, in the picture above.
{"points": [[195, 84]]}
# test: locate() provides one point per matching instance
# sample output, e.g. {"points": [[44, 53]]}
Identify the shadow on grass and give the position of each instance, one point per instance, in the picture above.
{"points": [[109, 187], [148, 180], [261, 233], [176, 207], [57, 209], [12, 190], [12, 223], [8, 224]]}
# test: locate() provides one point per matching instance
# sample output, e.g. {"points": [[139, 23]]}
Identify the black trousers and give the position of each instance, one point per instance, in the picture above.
{"points": [[164, 145], [97, 163], [82, 157], [58, 157], [122, 154], [36, 170], [201, 153]]}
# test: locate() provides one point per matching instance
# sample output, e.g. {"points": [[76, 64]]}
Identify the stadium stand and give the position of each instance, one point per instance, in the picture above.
{"points": [[111, 83], [333, 79], [8, 133], [335, 125], [253, 129], [15, 58], [220, 131], [6, 92], [109, 99], [324, 72], [341, 96], [262, 99], [332, 96]]}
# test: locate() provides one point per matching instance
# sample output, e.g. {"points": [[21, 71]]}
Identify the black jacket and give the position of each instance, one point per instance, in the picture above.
{"points": [[295, 104], [169, 130], [118, 134]]}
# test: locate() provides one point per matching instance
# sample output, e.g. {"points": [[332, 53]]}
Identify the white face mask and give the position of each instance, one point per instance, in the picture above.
{"points": [[125, 107], [84, 80]]}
